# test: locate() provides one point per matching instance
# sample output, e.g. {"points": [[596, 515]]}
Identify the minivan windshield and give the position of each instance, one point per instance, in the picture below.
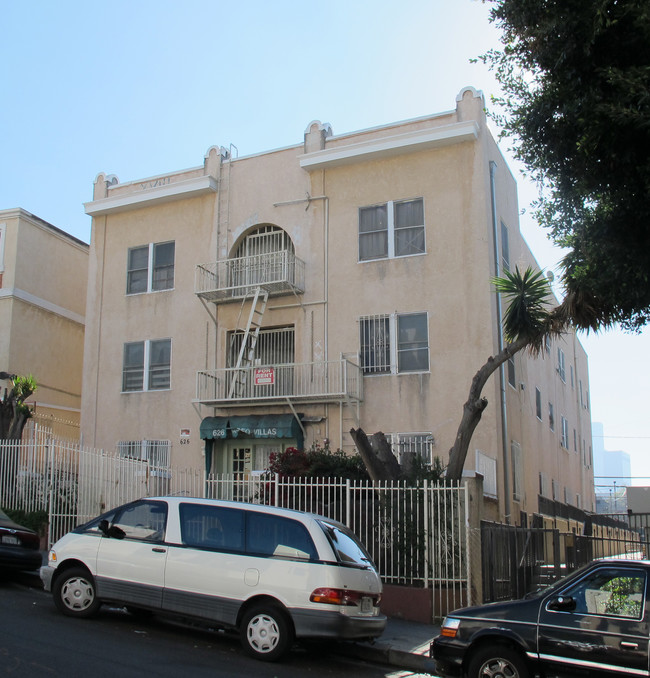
{"points": [[347, 547]]}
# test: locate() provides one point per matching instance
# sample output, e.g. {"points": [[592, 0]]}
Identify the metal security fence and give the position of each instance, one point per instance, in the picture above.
{"points": [[417, 536], [517, 560]]}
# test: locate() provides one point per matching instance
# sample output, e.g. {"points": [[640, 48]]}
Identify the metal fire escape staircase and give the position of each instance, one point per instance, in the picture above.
{"points": [[259, 297]]}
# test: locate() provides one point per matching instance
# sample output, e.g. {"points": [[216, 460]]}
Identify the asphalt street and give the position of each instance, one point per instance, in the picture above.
{"points": [[36, 641]]}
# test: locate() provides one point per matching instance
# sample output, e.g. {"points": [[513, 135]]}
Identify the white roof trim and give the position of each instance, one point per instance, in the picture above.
{"points": [[175, 190], [385, 147], [32, 299]]}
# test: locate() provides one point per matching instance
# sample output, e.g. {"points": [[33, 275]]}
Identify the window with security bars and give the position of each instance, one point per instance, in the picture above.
{"points": [[417, 445], [263, 256], [394, 343], [274, 347], [146, 365], [150, 268], [392, 229], [154, 452]]}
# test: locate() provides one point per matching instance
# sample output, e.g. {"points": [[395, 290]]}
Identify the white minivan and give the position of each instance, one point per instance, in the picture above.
{"points": [[273, 574]]}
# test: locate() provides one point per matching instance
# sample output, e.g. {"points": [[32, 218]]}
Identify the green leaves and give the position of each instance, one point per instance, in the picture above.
{"points": [[527, 314], [576, 106]]}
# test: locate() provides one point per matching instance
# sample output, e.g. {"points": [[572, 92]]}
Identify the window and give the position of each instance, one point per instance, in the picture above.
{"points": [[538, 404], [614, 591], [517, 471], [551, 417], [154, 452], [212, 527], [413, 346], [561, 369], [487, 467], [150, 268], [505, 248], [147, 365], [543, 485], [269, 535], [564, 441], [144, 520], [547, 344], [395, 343], [393, 229]]}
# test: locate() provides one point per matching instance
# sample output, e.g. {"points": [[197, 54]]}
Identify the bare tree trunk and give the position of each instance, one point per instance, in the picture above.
{"points": [[474, 407], [377, 455]]}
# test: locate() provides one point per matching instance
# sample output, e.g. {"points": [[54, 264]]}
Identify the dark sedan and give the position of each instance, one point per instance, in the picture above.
{"points": [[19, 546], [595, 622]]}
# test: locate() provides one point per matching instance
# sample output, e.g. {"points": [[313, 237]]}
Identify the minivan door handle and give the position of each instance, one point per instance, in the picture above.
{"points": [[157, 549], [629, 646]]}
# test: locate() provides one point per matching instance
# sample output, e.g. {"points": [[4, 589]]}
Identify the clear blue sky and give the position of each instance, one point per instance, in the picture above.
{"points": [[138, 88]]}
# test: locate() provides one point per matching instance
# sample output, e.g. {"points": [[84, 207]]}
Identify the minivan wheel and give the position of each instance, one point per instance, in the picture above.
{"points": [[497, 662], [266, 633], [75, 594]]}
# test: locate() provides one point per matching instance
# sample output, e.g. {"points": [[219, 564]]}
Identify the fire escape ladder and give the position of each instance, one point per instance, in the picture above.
{"points": [[247, 349]]}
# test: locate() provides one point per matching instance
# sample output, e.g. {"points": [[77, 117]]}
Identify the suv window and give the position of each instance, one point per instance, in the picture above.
{"points": [[610, 591], [144, 520], [215, 527], [271, 535]]}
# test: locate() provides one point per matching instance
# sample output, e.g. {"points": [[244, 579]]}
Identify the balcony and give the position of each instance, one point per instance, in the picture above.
{"points": [[334, 381], [231, 279]]}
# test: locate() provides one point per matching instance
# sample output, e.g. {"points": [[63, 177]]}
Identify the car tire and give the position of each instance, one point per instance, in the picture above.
{"points": [[266, 632], [497, 661], [75, 593]]}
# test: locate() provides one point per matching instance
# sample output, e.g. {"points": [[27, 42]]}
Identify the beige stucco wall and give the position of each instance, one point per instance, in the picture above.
{"points": [[42, 308], [318, 208]]}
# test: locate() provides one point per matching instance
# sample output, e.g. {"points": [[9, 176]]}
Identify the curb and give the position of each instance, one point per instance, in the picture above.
{"points": [[389, 656]]}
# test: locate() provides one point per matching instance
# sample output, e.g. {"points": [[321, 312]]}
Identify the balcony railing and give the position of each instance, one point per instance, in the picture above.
{"points": [[231, 279], [304, 382]]}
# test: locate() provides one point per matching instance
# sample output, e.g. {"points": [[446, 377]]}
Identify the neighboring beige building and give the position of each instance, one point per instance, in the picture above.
{"points": [[43, 280], [280, 299]]}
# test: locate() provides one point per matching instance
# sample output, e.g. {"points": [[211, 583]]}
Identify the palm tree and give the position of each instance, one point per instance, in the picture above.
{"points": [[527, 322]]}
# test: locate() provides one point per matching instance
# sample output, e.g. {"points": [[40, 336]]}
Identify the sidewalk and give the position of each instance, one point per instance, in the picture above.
{"points": [[404, 644]]}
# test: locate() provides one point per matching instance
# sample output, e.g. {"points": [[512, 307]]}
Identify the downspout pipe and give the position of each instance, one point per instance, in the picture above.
{"points": [[501, 343]]}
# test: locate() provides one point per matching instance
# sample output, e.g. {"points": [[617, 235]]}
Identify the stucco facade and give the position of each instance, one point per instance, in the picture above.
{"points": [[366, 259], [43, 274]]}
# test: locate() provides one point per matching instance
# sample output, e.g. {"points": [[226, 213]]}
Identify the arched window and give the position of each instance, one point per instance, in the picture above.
{"points": [[265, 256]]}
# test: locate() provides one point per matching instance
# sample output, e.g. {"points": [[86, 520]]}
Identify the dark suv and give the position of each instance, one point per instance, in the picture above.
{"points": [[595, 622]]}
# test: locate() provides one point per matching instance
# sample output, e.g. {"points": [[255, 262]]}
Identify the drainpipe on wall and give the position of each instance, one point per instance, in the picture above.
{"points": [[502, 369]]}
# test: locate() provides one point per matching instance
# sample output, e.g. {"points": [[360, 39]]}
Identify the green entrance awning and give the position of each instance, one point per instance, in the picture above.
{"points": [[252, 426], [214, 428]]}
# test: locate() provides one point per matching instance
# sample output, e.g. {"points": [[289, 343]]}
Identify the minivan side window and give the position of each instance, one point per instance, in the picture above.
{"points": [[145, 520], [215, 527], [270, 535]]}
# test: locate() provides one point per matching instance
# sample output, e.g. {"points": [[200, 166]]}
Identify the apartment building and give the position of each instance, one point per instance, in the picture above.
{"points": [[278, 300], [43, 275]]}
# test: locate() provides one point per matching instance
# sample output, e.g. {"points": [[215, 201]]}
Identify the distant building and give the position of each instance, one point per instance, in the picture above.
{"points": [[278, 300], [612, 474], [43, 282]]}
